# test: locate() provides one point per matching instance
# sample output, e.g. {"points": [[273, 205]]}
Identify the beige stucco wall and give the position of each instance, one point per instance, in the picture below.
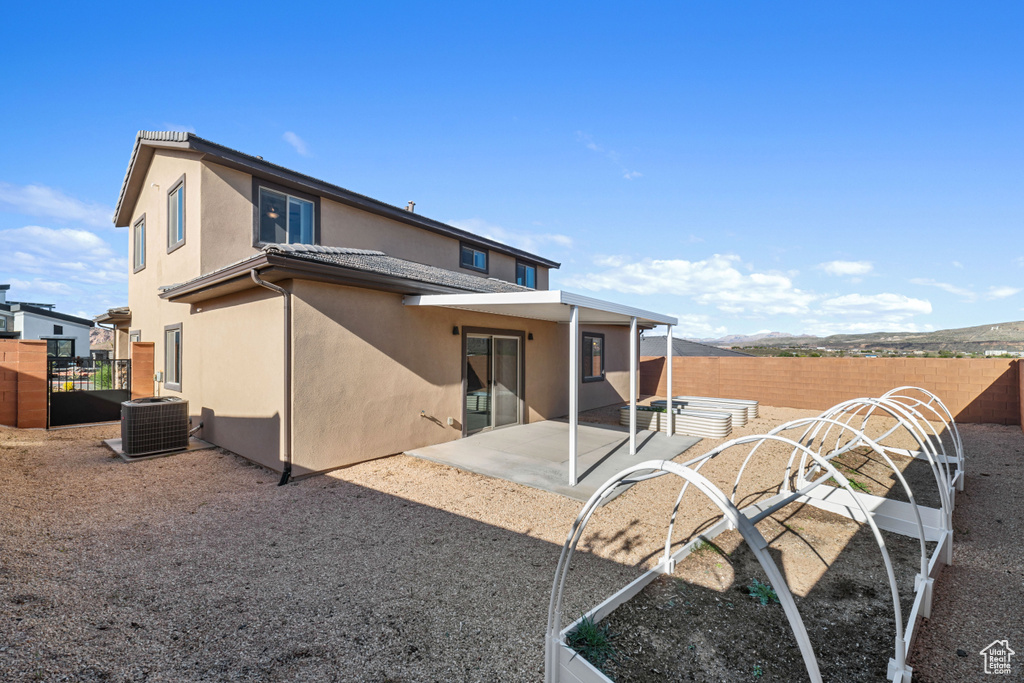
{"points": [[366, 365], [227, 212], [150, 313]]}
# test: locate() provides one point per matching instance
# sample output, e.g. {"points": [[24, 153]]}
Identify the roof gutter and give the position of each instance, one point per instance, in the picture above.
{"points": [[287, 409]]}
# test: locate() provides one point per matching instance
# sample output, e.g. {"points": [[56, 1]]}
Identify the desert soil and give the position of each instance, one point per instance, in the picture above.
{"points": [[197, 567]]}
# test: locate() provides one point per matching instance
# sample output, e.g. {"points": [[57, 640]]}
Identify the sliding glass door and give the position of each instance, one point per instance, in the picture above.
{"points": [[492, 382]]}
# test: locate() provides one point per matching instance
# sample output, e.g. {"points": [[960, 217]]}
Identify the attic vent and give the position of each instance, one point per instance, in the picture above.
{"points": [[411, 206]]}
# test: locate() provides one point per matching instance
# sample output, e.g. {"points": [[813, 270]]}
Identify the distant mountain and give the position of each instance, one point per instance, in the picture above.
{"points": [[101, 338], [740, 339], [1000, 336]]}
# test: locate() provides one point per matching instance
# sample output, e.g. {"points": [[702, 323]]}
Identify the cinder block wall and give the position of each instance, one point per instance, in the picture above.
{"points": [[23, 383], [974, 390]]}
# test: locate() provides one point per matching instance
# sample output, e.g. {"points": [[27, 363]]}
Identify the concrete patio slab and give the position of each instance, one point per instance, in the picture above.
{"points": [[194, 444], [537, 454]]}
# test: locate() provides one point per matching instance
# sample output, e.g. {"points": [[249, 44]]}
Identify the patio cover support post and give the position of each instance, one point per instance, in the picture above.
{"points": [[574, 390], [668, 388], [633, 361]]}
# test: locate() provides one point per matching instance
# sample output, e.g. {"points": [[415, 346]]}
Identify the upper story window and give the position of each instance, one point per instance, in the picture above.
{"points": [[472, 258], [176, 215], [3, 324], [593, 357], [526, 275], [58, 329], [139, 245], [285, 219]]}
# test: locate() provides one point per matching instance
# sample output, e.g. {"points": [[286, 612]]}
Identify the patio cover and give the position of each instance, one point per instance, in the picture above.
{"points": [[568, 307]]}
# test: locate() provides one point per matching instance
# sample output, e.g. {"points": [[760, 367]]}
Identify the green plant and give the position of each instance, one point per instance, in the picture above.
{"points": [[854, 484], [758, 671], [762, 592], [592, 641], [104, 379]]}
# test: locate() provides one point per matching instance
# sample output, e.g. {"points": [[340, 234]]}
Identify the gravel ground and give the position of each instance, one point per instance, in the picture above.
{"points": [[198, 567]]}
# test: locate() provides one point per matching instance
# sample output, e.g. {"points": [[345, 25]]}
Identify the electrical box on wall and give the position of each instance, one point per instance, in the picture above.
{"points": [[159, 376]]}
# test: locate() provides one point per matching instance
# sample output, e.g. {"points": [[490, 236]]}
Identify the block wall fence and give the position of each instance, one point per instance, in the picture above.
{"points": [[23, 380], [974, 390]]}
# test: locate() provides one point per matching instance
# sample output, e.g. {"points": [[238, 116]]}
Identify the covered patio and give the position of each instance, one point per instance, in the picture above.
{"points": [[536, 454], [560, 446]]}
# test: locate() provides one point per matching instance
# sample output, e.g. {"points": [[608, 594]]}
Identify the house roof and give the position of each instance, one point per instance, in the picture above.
{"points": [[148, 141], [121, 314], [552, 305], [337, 265], [656, 346], [15, 307]]}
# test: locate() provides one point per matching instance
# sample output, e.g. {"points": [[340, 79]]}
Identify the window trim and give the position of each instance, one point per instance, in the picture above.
{"points": [[604, 369], [141, 223], [174, 246], [487, 258], [174, 386], [134, 333], [57, 341], [257, 183], [526, 264]]}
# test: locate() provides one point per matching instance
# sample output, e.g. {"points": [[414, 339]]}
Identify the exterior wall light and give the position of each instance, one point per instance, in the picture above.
{"points": [[455, 330]]}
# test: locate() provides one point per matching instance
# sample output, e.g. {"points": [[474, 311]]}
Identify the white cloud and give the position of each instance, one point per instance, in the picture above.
{"points": [[716, 281], [958, 265], [695, 326], [39, 200], [966, 294], [846, 268], [1001, 292], [63, 254], [529, 241], [875, 306], [612, 155], [298, 143]]}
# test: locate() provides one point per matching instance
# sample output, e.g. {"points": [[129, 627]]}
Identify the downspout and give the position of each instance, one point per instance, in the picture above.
{"points": [[287, 410]]}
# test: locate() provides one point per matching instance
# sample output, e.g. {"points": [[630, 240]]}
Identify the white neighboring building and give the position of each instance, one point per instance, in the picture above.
{"points": [[66, 336]]}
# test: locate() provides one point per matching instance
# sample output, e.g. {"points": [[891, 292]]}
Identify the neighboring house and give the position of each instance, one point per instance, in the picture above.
{"points": [[66, 336], [311, 327], [657, 346]]}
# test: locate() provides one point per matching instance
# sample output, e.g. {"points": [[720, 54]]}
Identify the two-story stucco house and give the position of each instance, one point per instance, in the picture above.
{"points": [[311, 327]]}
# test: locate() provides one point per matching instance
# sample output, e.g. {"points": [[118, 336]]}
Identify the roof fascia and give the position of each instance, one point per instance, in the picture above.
{"points": [[25, 308], [142, 155], [277, 267]]}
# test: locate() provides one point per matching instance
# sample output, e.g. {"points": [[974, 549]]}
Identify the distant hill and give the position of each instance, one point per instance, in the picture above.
{"points": [[101, 338], [740, 339], [1001, 336]]}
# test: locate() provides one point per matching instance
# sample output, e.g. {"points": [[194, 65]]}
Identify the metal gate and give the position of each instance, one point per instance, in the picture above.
{"points": [[85, 390]]}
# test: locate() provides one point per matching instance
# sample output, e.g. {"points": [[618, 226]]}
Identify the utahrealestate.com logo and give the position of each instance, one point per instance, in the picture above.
{"points": [[997, 657]]}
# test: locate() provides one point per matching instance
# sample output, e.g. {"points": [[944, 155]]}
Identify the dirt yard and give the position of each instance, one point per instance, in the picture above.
{"points": [[198, 567]]}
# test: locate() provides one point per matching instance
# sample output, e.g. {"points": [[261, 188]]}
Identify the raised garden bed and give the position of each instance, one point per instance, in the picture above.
{"points": [[822, 479]]}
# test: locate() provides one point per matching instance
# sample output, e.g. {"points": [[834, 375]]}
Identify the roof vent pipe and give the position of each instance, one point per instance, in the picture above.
{"points": [[287, 408], [411, 206]]}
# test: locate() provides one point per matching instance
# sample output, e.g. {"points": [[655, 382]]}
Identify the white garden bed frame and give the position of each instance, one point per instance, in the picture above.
{"points": [[914, 411]]}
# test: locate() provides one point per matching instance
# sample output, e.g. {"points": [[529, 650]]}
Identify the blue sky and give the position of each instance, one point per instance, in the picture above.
{"points": [[802, 167]]}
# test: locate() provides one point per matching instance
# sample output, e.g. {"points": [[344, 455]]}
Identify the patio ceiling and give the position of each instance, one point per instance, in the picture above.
{"points": [[553, 305]]}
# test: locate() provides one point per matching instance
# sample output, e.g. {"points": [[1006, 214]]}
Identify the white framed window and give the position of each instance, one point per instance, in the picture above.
{"points": [[176, 215], [172, 357], [285, 218], [139, 244]]}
